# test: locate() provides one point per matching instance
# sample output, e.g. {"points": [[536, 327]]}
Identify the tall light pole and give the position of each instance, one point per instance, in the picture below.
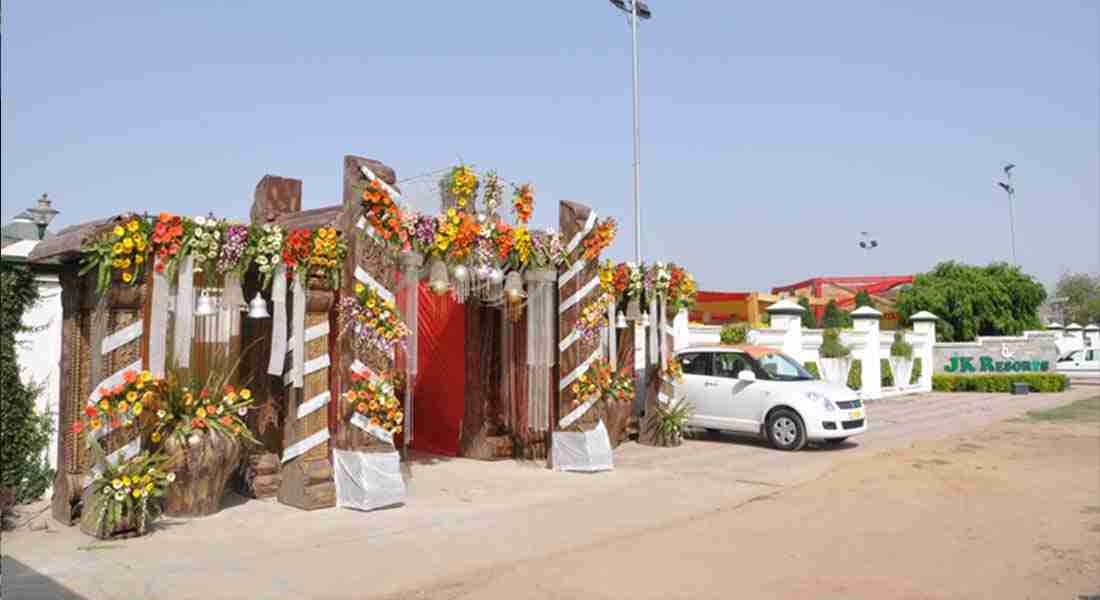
{"points": [[636, 9], [1011, 191]]}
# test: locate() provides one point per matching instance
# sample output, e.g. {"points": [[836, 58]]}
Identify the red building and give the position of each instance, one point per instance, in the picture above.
{"points": [[883, 290]]}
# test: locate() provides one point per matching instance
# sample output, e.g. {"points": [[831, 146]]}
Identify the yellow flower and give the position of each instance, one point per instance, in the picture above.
{"points": [[127, 277], [131, 395], [124, 263], [146, 376], [360, 288], [116, 483], [231, 396], [128, 243], [119, 231], [139, 259], [156, 436], [118, 248], [132, 225], [246, 393], [126, 480], [201, 413], [104, 405], [136, 493], [138, 408]]}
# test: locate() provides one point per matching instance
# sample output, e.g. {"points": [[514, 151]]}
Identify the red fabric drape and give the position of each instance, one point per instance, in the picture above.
{"points": [[439, 391]]}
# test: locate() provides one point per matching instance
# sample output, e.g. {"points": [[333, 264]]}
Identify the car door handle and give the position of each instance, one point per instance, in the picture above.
{"points": [[709, 384]]}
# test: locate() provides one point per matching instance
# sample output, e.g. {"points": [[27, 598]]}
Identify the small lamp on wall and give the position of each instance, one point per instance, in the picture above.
{"points": [[257, 308]]}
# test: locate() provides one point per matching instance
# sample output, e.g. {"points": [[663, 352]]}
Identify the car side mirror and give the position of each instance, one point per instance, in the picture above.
{"points": [[747, 376]]}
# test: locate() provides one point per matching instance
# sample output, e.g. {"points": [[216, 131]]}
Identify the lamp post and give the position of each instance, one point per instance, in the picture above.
{"points": [[42, 214], [1011, 191], [636, 9]]}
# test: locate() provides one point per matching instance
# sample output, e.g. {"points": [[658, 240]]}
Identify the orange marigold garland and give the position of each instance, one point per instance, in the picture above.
{"points": [[296, 251], [600, 238], [329, 249], [605, 383], [375, 399], [523, 202]]}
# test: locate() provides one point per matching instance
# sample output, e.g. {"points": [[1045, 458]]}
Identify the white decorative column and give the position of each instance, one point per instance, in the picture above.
{"points": [[867, 320], [1074, 332], [1057, 329], [924, 325], [787, 316], [1092, 335]]}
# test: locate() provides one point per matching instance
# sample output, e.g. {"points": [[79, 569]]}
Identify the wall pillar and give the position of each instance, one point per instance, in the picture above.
{"points": [[1057, 329], [1092, 335], [868, 320], [924, 325], [1075, 332], [787, 316]]}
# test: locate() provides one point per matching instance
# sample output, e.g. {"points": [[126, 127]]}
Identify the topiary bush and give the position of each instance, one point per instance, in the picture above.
{"points": [[831, 347], [1038, 382], [734, 333], [886, 373], [24, 434], [901, 348], [914, 378], [855, 376], [809, 320], [834, 318], [811, 367]]}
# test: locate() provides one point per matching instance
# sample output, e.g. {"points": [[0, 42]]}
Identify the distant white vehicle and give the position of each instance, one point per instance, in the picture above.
{"points": [[750, 389], [1080, 363]]}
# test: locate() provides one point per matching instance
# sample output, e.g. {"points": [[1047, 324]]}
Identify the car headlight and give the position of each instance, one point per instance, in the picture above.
{"points": [[822, 400]]}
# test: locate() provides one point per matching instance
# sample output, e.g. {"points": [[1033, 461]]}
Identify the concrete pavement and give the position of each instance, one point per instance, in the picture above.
{"points": [[461, 515]]}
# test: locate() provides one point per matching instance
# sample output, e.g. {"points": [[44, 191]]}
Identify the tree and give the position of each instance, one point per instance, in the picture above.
{"points": [[998, 299], [809, 321], [864, 299], [24, 434], [1082, 297], [834, 318]]}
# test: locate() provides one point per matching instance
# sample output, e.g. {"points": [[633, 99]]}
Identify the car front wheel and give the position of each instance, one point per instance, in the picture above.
{"points": [[785, 430]]}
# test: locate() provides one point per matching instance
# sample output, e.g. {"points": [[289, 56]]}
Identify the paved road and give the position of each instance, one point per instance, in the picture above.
{"points": [[461, 516]]}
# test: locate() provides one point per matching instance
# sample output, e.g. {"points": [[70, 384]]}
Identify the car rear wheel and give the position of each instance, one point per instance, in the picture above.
{"points": [[785, 430]]}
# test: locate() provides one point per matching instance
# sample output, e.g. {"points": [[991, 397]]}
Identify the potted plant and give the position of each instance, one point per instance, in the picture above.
{"points": [[201, 431], [901, 359], [836, 358], [122, 499], [667, 428]]}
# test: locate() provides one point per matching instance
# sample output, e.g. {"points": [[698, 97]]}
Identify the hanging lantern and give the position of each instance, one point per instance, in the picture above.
{"points": [[206, 304], [257, 308], [620, 322], [633, 310], [645, 320], [437, 278], [513, 287]]}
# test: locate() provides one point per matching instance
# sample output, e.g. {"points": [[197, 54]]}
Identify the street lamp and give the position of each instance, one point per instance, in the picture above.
{"points": [[1011, 191], [636, 9], [42, 214]]}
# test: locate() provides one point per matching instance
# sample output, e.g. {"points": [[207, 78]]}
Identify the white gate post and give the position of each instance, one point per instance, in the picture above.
{"points": [[924, 325], [787, 316], [867, 320], [1092, 334]]}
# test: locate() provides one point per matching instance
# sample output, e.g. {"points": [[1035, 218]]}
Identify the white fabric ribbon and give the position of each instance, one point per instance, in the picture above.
{"points": [[158, 325], [664, 338], [298, 324], [612, 337], [569, 340], [362, 369], [310, 406], [377, 432], [277, 363], [185, 312], [370, 282], [579, 295], [572, 272], [581, 368], [123, 336], [588, 225], [305, 445], [578, 412], [654, 332]]}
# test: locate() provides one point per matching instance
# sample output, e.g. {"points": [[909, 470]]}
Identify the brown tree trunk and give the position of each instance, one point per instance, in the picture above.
{"points": [[203, 464]]}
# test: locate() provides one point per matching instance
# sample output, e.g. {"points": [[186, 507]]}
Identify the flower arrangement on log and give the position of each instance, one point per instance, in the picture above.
{"points": [[523, 202], [120, 406], [600, 238], [124, 497], [265, 248], [373, 321], [682, 290], [461, 184], [205, 244], [187, 409], [121, 250], [624, 280], [327, 253], [234, 257], [547, 250], [376, 400], [605, 383], [168, 235]]}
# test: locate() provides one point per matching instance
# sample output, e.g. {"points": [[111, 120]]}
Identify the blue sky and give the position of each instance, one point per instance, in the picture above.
{"points": [[772, 133]]}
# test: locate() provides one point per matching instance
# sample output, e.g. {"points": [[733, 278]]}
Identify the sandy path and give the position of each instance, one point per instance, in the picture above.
{"points": [[1010, 511]]}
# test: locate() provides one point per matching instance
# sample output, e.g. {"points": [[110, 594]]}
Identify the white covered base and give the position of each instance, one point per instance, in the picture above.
{"points": [[368, 480], [586, 451]]}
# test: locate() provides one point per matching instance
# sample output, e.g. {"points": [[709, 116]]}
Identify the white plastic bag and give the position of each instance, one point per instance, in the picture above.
{"points": [[587, 451], [368, 480]]}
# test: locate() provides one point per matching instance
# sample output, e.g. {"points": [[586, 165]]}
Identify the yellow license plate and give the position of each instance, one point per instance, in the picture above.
{"points": [[857, 414]]}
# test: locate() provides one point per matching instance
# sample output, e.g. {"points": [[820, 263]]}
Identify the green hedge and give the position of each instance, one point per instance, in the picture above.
{"points": [[811, 366], [24, 433], [855, 376], [915, 377], [1039, 382]]}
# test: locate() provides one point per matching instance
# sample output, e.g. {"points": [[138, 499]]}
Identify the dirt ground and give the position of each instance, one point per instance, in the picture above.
{"points": [[1008, 511]]}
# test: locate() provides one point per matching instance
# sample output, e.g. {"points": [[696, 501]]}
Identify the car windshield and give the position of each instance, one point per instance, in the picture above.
{"points": [[780, 367]]}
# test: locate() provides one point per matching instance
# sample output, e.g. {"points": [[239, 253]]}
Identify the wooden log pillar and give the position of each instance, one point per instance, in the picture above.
{"points": [[368, 256], [90, 319]]}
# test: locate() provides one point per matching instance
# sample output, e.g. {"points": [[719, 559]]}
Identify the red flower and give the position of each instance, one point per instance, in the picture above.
{"points": [[115, 422], [90, 410], [78, 427], [205, 393], [129, 376]]}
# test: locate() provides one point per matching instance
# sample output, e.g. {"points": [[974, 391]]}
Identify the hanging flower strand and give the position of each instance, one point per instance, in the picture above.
{"points": [[523, 202]]}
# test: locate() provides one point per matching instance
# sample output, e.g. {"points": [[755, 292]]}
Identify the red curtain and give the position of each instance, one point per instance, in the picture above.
{"points": [[439, 392]]}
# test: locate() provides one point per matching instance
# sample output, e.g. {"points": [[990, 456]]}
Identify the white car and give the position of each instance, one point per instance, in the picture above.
{"points": [[1080, 363], [750, 389]]}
